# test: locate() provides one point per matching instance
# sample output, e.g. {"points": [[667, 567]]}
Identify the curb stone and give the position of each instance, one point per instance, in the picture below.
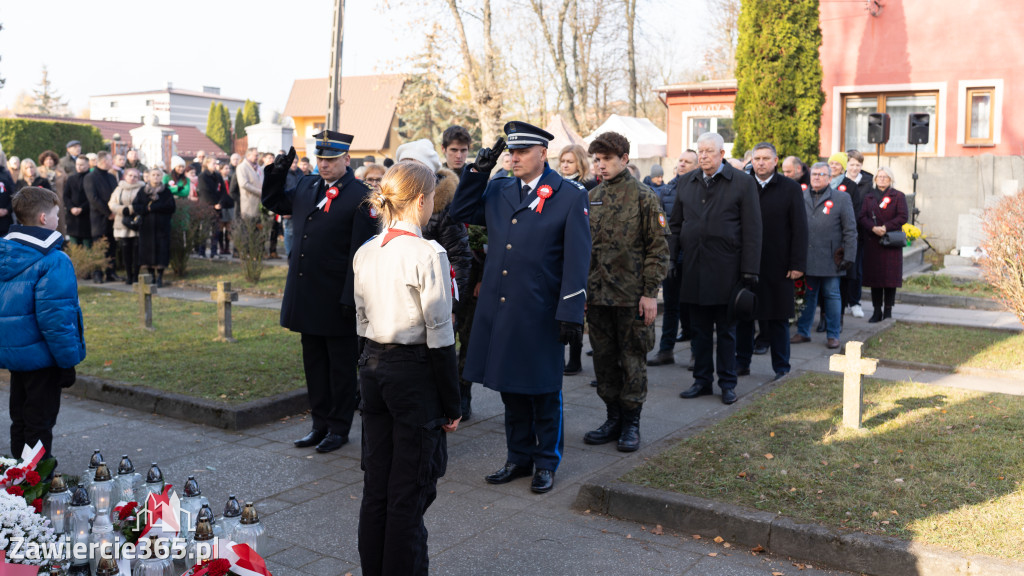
{"points": [[948, 301], [783, 536], [188, 408]]}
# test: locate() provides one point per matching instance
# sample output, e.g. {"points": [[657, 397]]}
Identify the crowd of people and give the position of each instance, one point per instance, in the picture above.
{"points": [[389, 262]]}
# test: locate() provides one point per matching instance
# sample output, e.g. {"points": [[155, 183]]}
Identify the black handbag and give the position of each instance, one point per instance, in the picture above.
{"points": [[132, 222], [893, 239]]}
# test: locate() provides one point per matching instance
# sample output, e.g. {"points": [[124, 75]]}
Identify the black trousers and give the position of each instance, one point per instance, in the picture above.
{"points": [[404, 453], [706, 322], [330, 365], [775, 332], [534, 429], [130, 257], [34, 404]]}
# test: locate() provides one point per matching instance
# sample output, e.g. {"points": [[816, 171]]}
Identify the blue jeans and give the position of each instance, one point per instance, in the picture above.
{"points": [[829, 286]]}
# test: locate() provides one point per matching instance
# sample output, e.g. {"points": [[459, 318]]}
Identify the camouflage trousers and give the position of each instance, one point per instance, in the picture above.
{"points": [[621, 342]]}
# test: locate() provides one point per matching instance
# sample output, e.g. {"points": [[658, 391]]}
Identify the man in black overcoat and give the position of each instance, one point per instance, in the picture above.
{"points": [[79, 223], [99, 184], [783, 260], [717, 218], [330, 223]]}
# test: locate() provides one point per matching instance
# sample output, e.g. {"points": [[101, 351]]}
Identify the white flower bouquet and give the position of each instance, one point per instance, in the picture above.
{"points": [[22, 531]]}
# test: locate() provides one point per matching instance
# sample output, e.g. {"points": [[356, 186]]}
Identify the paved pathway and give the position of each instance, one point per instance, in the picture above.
{"points": [[310, 501]]}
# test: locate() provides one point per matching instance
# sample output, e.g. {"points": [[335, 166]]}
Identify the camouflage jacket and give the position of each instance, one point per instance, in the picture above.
{"points": [[629, 231]]}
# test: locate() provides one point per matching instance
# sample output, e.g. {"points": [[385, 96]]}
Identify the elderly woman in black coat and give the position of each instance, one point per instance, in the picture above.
{"points": [[884, 210], [156, 206]]}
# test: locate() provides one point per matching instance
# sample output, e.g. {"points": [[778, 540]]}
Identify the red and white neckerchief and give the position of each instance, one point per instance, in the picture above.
{"points": [[543, 193], [393, 233], [885, 202], [331, 194], [828, 206]]}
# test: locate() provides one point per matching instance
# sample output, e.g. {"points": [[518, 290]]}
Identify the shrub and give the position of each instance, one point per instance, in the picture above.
{"points": [[190, 226], [250, 236], [88, 260], [1003, 264], [29, 138]]}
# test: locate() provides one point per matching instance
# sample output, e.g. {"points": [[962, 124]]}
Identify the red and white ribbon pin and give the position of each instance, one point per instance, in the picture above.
{"points": [[828, 206], [332, 193]]}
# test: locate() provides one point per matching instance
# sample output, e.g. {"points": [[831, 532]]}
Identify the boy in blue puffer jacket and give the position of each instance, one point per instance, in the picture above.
{"points": [[41, 335]]}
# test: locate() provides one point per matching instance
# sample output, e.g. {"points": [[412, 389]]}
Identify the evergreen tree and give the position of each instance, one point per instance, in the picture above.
{"points": [[46, 100], [239, 124], [251, 113], [226, 120], [778, 77], [216, 128]]}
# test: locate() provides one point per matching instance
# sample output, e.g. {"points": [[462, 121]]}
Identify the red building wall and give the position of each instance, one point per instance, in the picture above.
{"points": [[931, 48]]}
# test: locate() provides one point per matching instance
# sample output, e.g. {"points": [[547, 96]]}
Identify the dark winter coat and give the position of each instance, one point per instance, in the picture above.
{"points": [[452, 235], [318, 297], [211, 188], [155, 230], [74, 197], [40, 320], [883, 267], [99, 185], [6, 193], [67, 164], [718, 227], [830, 226], [784, 246], [38, 182], [535, 277]]}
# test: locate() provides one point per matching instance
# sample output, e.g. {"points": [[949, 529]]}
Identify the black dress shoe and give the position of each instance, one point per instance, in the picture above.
{"points": [[593, 383], [696, 390], [760, 349], [331, 442], [543, 481], [728, 396], [97, 278], [743, 371], [312, 439], [573, 368], [508, 473]]}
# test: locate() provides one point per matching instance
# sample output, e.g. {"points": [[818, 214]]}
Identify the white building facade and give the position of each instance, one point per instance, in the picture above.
{"points": [[169, 106]]}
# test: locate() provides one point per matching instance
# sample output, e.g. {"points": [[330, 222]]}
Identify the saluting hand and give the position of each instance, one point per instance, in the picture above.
{"points": [[487, 158]]}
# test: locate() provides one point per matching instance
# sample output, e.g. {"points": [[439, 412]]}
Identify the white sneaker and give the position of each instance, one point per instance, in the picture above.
{"points": [[857, 311]]}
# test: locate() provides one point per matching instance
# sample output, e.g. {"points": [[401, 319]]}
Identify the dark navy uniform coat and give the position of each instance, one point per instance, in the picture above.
{"points": [[320, 267], [535, 277]]}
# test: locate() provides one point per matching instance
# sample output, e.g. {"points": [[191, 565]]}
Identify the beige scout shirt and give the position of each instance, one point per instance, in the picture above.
{"points": [[403, 290]]}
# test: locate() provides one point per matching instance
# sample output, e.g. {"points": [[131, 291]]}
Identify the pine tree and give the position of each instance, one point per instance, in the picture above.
{"points": [[226, 120], [778, 77], [251, 113], [48, 101], [216, 128], [239, 124]]}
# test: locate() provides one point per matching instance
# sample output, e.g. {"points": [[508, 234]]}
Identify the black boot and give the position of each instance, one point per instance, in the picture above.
{"points": [[608, 431], [466, 400], [575, 365], [629, 440], [160, 278], [887, 313], [876, 316]]}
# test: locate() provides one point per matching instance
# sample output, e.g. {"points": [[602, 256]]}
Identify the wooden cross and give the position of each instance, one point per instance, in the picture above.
{"points": [[853, 367], [146, 290], [224, 296]]}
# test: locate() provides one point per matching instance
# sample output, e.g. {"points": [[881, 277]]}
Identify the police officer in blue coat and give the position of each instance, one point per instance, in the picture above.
{"points": [[532, 297], [331, 222]]}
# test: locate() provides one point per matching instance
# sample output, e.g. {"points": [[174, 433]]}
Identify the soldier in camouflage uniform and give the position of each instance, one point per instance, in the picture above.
{"points": [[629, 259]]}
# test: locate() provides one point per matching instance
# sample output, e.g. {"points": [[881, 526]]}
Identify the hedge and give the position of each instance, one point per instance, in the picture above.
{"points": [[29, 138]]}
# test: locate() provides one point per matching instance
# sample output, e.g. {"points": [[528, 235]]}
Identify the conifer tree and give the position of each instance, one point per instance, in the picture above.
{"points": [[216, 128], [251, 113], [778, 77], [239, 124]]}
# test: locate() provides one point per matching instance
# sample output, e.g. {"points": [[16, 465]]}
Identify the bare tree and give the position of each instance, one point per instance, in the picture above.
{"points": [[720, 57], [556, 46], [486, 95], [631, 52]]}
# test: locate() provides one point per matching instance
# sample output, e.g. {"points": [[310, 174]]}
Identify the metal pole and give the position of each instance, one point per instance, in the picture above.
{"points": [[334, 78], [913, 213]]}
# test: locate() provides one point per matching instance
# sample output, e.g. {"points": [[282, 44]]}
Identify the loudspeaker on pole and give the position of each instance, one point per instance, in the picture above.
{"points": [[878, 128], [917, 131]]}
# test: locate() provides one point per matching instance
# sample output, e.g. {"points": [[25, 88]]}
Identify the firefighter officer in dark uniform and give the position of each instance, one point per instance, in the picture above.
{"points": [[330, 223], [532, 297]]}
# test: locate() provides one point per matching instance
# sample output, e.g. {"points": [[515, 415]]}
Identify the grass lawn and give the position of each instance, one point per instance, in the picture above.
{"points": [[970, 347], [947, 286], [937, 465], [206, 273], [180, 354]]}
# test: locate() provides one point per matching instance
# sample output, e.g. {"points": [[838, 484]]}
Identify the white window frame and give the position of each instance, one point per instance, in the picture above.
{"points": [[687, 115], [940, 111], [997, 111]]}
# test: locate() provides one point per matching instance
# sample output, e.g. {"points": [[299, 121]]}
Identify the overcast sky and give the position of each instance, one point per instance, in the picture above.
{"points": [[250, 49]]}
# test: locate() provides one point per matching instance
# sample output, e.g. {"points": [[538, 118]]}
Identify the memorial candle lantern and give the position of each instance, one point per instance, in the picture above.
{"points": [[129, 483], [90, 471], [103, 542], [201, 547], [80, 521], [191, 502], [56, 506], [152, 563], [206, 513], [102, 490], [250, 531], [107, 566], [154, 481], [232, 514]]}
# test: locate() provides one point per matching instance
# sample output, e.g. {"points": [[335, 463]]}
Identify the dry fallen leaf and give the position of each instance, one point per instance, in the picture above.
{"points": [[696, 536], [757, 549], [769, 456], [741, 475], [658, 530], [899, 480], [719, 539], [772, 434], [778, 574], [108, 362], [712, 554], [727, 545], [629, 536]]}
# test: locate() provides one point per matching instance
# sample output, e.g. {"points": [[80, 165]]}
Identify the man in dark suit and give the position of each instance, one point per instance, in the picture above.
{"points": [[532, 296], [330, 222], [99, 184], [79, 225], [783, 260], [717, 218]]}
